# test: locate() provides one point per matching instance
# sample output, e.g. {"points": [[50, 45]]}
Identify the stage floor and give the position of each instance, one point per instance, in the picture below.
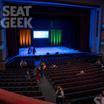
{"points": [[41, 51]]}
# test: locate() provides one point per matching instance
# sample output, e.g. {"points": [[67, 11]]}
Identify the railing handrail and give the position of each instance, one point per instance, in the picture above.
{"points": [[7, 97]]}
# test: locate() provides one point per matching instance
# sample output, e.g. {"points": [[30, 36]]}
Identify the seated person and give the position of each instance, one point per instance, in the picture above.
{"points": [[81, 72], [53, 66], [99, 99], [102, 66], [23, 64], [98, 62], [28, 75]]}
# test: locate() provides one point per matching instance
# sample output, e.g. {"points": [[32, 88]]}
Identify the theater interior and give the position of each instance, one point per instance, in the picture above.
{"points": [[64, 36]]}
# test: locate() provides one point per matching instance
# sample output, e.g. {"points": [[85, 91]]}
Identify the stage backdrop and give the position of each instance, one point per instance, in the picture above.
{"points": [[70, 31], [67, 27]]}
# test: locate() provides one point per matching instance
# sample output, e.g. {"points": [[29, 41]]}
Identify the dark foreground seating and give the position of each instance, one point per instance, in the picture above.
{"points": [[78, 88], [16, 81]]}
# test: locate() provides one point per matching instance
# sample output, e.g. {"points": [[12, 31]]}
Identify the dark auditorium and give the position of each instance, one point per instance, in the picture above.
{"points": [[51, 51]]}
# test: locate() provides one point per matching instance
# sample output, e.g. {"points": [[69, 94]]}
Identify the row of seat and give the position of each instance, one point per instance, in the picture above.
{"points": [[77, 86], [17, 81]]}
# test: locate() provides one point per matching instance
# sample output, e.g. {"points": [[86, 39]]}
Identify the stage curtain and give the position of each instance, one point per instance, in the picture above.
{"points": [[56, 36], [25, 37], [12, 41]]}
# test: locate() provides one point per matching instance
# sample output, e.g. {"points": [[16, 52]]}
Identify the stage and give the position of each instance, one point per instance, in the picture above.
{"points": [[42, 51]]}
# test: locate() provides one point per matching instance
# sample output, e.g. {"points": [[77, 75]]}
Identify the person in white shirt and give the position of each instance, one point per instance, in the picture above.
{"points": [[99, 99], [23, 64]]}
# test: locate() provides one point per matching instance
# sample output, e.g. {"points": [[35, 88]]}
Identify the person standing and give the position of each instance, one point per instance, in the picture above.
{"points": [[42, 69], [59, 95], [38, 74], [34, 50]]}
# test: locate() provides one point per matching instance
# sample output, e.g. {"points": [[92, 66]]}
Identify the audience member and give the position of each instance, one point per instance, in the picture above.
{"points": [[98, 62], [28, 75], [38, 74], [81, 72], [43, 69], [59, 95], [54, 66], [23, 64], [99, 99]]}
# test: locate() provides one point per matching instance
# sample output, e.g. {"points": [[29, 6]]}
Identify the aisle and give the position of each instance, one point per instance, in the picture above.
{"points": [[47, 90]]}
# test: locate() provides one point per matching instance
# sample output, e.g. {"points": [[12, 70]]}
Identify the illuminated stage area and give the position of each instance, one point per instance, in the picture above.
{"points": [[41, 51]]}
